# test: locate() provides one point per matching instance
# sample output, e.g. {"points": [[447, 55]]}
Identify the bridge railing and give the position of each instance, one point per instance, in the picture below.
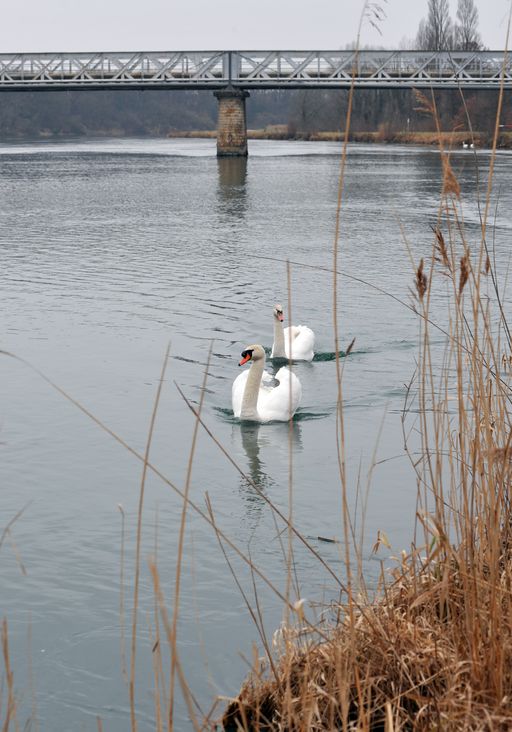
{"points": [[253, 69]]}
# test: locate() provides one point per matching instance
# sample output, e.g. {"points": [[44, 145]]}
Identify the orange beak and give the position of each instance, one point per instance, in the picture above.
{"points": [[244, 360], [280, 317]]}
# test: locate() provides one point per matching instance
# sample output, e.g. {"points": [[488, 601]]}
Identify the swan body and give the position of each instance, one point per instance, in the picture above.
{"points": [[256, 399], [300, 337]]}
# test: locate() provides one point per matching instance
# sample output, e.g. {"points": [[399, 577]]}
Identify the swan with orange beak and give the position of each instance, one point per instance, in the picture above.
{"points": [[256, 399]]}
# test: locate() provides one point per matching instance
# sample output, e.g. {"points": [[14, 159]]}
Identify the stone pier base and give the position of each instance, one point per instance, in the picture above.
{"points": [[232, 123]]}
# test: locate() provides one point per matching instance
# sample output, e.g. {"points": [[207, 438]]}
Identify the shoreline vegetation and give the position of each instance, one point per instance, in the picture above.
{"points": [[377, 115], [282, 132]]}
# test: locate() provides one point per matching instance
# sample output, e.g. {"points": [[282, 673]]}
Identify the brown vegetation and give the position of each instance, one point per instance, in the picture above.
{"points": [[282, 132]]}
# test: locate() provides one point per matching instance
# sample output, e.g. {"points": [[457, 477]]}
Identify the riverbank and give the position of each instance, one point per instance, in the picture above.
{"points": [[282, 132], [402, 663]]}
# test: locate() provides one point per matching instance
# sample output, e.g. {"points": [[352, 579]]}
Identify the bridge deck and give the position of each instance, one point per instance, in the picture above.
{"points": [[254, 69]]}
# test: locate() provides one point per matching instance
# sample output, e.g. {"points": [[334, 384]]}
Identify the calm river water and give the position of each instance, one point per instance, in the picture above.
{"points": [[111, 249]]}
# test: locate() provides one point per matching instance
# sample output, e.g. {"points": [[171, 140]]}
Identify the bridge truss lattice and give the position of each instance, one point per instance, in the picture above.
{"points": [[254, 70]]}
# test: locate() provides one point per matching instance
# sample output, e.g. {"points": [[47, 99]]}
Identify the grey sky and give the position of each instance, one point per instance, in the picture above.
{"points": [[70, 25]]}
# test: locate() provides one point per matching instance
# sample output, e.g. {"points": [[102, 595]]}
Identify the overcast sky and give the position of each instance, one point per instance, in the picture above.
{"points": [[115, 25]]}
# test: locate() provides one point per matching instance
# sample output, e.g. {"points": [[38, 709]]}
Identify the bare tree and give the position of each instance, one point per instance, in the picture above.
{"points": [[435, 33], [467, 37]]}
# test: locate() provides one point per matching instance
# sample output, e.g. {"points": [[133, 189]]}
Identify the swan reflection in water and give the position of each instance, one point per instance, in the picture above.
{"points": [[264, 444]]}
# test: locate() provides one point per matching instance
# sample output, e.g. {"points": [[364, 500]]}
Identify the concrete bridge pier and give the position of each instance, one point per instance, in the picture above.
{"points": [[231, 123]]}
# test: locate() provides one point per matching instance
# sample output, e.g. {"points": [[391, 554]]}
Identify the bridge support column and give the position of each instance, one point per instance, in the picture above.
{"points": [[231, 123]]}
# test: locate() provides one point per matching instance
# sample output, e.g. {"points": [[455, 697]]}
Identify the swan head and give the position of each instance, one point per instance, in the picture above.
{"points": [[252, 353], [278, 312]]}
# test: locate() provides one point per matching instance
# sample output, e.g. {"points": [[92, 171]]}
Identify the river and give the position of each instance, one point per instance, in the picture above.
{"points": [[113, 249]]}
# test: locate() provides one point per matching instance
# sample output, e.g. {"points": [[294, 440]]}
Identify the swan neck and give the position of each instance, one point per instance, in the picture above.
{"points": [[278, 350], [249, 408]]}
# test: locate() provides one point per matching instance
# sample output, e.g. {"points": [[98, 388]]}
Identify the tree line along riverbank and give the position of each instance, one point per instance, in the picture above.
{"points": [[383, 115]]}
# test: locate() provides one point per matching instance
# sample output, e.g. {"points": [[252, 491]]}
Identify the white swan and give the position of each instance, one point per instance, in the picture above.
{"points": [[253, 396], [302, 339]]}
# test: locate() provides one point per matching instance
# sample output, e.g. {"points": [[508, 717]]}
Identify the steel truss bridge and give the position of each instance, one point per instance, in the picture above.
{"points": [[247, 70]]}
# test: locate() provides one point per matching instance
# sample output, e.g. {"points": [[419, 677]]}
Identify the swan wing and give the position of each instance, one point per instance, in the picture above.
{"points": [[302, 342], [282, 401], [237, 392], [266, 379]]}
